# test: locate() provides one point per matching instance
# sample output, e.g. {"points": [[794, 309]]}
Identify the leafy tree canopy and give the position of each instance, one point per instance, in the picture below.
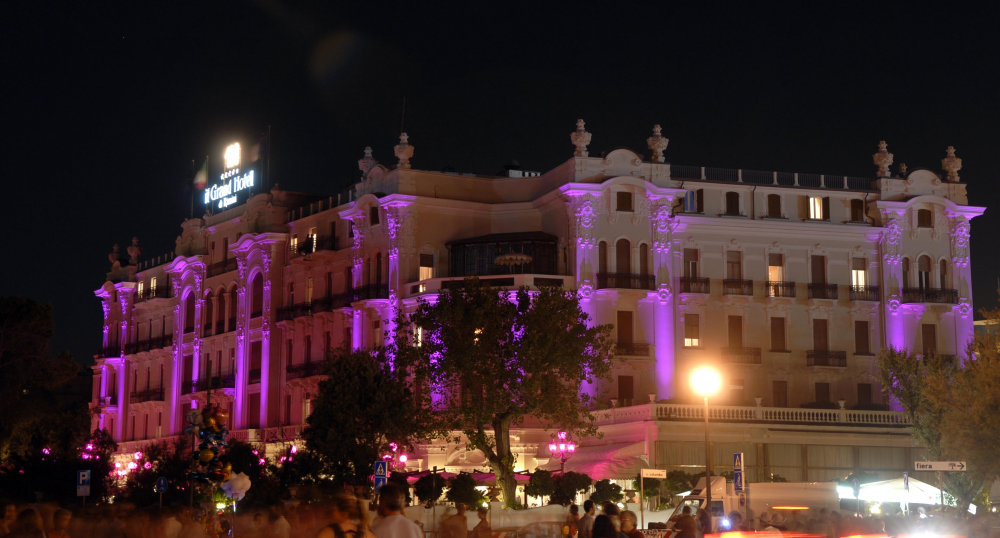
{"points": [[541, 484], [462, 489], [568, 486], [605, 490], [429, 488]]}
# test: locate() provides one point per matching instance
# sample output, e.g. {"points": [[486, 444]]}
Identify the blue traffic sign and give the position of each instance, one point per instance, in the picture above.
{"points": [[738, 461], [161, 485], [82, 483], [379, 482], [738, 480], [381, 469]]}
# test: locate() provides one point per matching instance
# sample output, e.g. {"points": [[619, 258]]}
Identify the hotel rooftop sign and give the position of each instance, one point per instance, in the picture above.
{"points": [[225, 194]]}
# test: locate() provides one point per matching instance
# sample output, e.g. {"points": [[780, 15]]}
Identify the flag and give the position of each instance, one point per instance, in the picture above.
{"points": [[201, 178], [257, 150]]}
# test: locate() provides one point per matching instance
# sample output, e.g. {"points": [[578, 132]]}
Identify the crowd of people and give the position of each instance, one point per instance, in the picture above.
{"points": [[612, 522]]}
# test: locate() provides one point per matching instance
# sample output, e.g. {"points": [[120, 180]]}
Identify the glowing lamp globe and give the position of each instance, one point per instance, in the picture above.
{"points": [[402, 458], [706, 381], [552, 447], [571, 448], [137, 455]]}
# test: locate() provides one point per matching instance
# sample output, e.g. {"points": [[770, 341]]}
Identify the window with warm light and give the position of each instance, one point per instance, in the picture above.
{"points": [[138, 289], [312, 236], [775, 267], [309, 290], [418, 336], [692, 330], [859, 273], [152, 284], [426, 267], [815, 208], [293, 243]]}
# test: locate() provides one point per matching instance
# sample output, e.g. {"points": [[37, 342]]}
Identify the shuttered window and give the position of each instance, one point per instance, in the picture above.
{"points": [[778, 334], [861, 340]]}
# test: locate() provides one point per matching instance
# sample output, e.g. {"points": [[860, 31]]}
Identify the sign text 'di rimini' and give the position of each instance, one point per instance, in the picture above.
{"points": [[232, 181]]}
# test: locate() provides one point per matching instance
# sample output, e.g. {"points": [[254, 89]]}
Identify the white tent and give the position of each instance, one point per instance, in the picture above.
{"points": [[893, 491]]}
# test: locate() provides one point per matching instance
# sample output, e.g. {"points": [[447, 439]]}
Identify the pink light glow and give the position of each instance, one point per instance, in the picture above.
{"points": [[387, 457], [46, 451], [571, 447], [90, 447], [147, 465], [255, 453], [283, 459], [562, 447], [562, 436], [118, 465], [260, 461], [133, 465], [402, 458], [137, 455], [294, 449], [392, 446], [552, 447]]}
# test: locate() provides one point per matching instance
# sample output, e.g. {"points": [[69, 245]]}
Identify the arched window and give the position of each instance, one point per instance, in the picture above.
{"points": [[220, 325], [378, 269], [373, 215], [257, 295], [602, 257], [189, 313], [857, 210], [232, 308], [644, 259], [733, 203], [924, 272], [291, 294], [925, 219], [906, 272], [623, 256], [774, 206], [945, 282], [368, 271], [207, 322]]}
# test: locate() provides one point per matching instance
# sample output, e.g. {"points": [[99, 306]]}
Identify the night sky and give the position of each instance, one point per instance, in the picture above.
{"points": [[105, 106]]}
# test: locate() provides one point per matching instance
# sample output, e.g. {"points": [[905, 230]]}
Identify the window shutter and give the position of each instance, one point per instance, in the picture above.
{"points": [[701, 200], [624, 327], [778, 334], [861, 346], [826, 208]]}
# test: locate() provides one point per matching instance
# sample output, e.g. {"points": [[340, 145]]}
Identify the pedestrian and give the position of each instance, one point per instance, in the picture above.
{"points": [[704, 522], [482, 529], [280, 528], [9, 515], [27, 525], [394, 524], [569, 526], [60, 524], [630, 524], [344, 511], [456, 525], [686, 526], [585, 527]]}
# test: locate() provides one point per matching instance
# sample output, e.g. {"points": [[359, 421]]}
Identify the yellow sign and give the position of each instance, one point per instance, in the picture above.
{"points": [[233, 156]]}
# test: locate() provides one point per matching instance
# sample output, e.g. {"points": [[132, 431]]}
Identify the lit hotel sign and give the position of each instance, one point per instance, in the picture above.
{"points": [[232, 181]]}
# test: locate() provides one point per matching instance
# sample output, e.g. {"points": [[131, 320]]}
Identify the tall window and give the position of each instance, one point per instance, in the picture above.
{"points": [[624, 326], [945, 282], [152, 285], [694, 201], [623, 256], [626, 390], [862, 345], [857, 210], [208, 323], [925, 218], [859, 272], [222, 310], [309, 290], [309, 346], [734, 265], [426, 266], [736, 391], [225, 248], [906, 272], [291, 294], [823, 392], [624, 201], [691, 263], [138, 290], [818, 269], [232, 308], [189, 313], [602, 257], [821, 341], [733, 203], [377, 331], [692, 330], [778, 334], [735, 331], [864, 393], [378, 269], [644, 259], [257, 295], [373, 216], [924, 272], [312, 237], [928, 334], [779, 393], [775, 267], [289, 352], [293, 244], [819, 208], [774, 206]]}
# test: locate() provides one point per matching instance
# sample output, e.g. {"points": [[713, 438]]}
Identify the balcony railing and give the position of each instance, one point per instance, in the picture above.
{"points": [[732, 286], [864, 293], [822, 291], [741, 355], [214, 382], [632, 349], [781, 179], [628, 281], [110, 351], [254, 376], [746, 414], [371, 291], [160, 292], [294, 311], [148, 395], [780, 289], [150, 344], [827, 358], [332, 302], [691, 284], [221, 268], [306, 369], [928, 295], [306, 247]]}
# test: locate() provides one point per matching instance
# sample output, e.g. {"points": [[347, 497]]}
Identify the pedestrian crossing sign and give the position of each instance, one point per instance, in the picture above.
{"points": [[381, 468], [738, 461]]}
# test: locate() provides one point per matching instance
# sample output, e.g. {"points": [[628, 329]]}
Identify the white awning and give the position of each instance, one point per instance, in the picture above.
{"points": [[617, 462]]}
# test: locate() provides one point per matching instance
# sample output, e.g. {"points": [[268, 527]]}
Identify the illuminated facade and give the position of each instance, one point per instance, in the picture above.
{"points": [[787, 283]]}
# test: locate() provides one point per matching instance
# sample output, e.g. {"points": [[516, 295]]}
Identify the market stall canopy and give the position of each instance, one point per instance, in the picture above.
{"points": [[895, 491], [620, 461]]}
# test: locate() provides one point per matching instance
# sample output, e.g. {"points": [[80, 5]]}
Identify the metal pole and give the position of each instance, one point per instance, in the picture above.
{"points": [[642, 502], [941, 490], [708, 472]]}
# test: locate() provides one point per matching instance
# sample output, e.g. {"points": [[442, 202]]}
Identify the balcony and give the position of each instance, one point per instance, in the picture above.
{"points": [[148, 395], [691, 284], [826, 358], [627, 281], [741, 355], [865, 293], [306, 369], [294, 311], [732, 286], [780, 289], [159, 292], [150, 344], [110, 351], [822, 291], [928, 295], [439, 284], [325, 242], [221, 268], [371, 291], [632, 349], [214, 383], [332, 302], [254, 376]]}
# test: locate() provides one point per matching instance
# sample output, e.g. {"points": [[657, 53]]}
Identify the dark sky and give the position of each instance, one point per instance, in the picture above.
{"points": [[104, 106]]}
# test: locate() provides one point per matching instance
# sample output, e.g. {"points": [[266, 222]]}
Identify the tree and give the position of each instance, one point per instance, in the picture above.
{"points": [[541, 484], [429, 488], [362, 407], [568, 486], [171, 460], [497, 356], [650, 487], [605, 490], [400, 480], [462, 489]]}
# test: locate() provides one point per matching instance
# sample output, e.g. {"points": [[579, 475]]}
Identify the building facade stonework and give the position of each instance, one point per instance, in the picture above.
{"points": [[788, 283]]}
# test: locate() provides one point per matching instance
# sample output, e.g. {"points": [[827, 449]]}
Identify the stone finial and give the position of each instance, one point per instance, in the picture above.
{"points": [[367, 163], [580, 138], [404, 151], [902, 170], [657, 143], [113, 257], [134, 251], [951, 164], [883, 159]]}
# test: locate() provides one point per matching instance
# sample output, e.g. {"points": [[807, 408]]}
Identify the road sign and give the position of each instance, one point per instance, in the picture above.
{"points": [[381, 468], [738, 481], [161, 485], [743, 500], [83, 483], [939, 466], [379, 482], [654, 473], [738, 461]]}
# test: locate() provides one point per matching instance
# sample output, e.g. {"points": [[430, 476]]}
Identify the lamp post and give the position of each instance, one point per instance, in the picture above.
{"points": [[562, 450], [706, 381]]}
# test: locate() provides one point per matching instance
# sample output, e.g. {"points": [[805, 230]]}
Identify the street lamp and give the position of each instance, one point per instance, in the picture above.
{"points": [[562, 450], [706, 381]]}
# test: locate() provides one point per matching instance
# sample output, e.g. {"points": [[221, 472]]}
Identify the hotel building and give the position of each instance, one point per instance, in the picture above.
{"points": [[788, 283]]}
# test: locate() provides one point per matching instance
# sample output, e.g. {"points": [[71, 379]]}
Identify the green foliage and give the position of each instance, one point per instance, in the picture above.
{"points": [[429, 488], [499, 357], [170, 460], [400, 480], [265, 486], [568, 486], [462, 489], [541, 484], [604, 491], [774, 478], [651, 486], [361, 408], [54, 474]]}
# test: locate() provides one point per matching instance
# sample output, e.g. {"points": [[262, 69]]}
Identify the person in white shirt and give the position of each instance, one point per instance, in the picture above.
{"points": [[394, 524], [171, 527]]}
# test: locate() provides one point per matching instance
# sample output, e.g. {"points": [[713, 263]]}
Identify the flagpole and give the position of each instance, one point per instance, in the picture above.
{"points": [[191, 186], [267, 176]]}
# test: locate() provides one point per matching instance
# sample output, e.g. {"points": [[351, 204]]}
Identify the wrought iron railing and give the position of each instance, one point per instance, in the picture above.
{"points": [[371, 291], [864, 293], [110, 351], [632, 349], [741, 355], [695, 285], [148, 395], [294, 311], [826, 357], [306, 369], [822, 291], [333, 302], [732, 286], [781, 179], [160, 292], [628, 281], [928, 295], [221, 268], [780, 289]]}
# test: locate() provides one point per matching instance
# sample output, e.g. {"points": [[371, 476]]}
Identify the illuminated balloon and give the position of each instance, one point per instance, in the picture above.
{"points": [[206, 455]]}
